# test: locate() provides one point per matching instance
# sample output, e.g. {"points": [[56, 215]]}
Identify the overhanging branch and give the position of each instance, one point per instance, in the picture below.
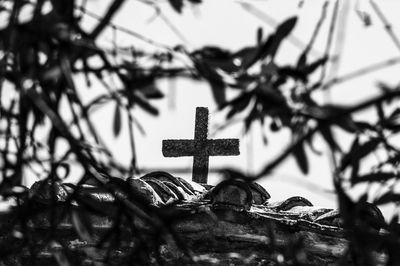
{"points": [[324, 123], [107, 18]]}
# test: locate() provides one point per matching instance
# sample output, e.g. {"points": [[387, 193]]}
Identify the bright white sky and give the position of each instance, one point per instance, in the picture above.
{"points": [[226, 23]]}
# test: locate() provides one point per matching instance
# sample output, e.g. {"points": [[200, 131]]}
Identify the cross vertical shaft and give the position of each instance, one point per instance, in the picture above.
{"points": [[200, 169], [201, 124], [200, 162]]}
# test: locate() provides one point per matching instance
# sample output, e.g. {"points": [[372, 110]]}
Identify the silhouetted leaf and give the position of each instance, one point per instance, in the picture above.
{"points": [[394, 160], [271, 45], [230, 173], [393, 121], [139, 99], [385, 89], [281, 33], [117, 121], [395, 114], [346, 159], [253, 115], [219, 58], [232, 102], [374, 177], [212, 53], [302, 61], [66, 71], [177, 5], [259, 35], [102, 99], [326, 133], [152, 92], [357, 152], [328, 113], [269, 96], [215, 80], [218, 91], [362, 125], [313, 66], [347, 124], [238, 104], [288, 71], [388, 197], [355, 169], [364, 17], [310, 142], [247, 56], [380, 112], [301, 158]]}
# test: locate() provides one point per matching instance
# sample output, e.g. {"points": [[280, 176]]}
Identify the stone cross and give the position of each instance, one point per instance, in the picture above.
{"points": [[200, 147]]}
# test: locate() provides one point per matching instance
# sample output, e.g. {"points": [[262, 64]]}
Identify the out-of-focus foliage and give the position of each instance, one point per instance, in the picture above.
{"points": [[41, 57]]}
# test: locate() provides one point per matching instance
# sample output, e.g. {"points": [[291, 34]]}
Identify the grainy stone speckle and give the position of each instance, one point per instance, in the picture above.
{"points": [[200, 147]]}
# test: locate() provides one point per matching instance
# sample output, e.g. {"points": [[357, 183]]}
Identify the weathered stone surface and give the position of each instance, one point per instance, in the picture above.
{"points": [[144, 190], [226, 227], [260, 194], [232, 194]]}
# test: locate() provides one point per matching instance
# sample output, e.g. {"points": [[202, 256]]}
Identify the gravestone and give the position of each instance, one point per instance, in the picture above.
{"points": [[201, 148]]}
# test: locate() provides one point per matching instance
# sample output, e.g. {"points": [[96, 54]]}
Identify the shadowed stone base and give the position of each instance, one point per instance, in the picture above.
{"points": [[233, 224]]}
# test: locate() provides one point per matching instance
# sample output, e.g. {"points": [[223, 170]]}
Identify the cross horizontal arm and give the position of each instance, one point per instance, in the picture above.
{"points": [[222, 147], [178, 147]]}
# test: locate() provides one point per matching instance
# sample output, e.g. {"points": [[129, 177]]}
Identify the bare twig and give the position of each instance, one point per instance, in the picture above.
{"points": [[82, 157], [330, 37], [340, 37], [105, 21], [360, 72], [272, 22], [317, 27], [174, 29], [167, 21], [127, 31], [386, 23]]}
